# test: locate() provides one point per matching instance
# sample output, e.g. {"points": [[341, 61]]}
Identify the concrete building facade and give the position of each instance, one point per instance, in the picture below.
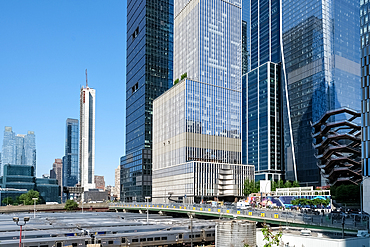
{"points": [[87, 137]]}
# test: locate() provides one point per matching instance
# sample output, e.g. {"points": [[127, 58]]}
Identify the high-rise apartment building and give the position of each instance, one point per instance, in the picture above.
{"points": [[57, 171], [197, 123], [365, 102], [30, 149], [8, 146], [321, 47], [70, 159], [19, 149], [148, 75], [87, 137], [99, 182], [117, 182]]}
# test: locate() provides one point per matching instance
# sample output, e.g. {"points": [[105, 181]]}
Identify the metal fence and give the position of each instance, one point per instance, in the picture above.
{"points": [[280, 216]]}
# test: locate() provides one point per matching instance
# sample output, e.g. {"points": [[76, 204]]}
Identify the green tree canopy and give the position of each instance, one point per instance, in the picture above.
{"points": [[250, 186], [288, 184], [295, 184], [7, 201], [26, 199], [70, 205]]}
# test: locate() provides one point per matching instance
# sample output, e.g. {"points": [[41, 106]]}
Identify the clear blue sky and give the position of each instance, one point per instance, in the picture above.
{"points": [[45, 47]]}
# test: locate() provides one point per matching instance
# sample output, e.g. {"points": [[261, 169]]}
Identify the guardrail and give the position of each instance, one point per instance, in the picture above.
{"points": [[277, 216]]}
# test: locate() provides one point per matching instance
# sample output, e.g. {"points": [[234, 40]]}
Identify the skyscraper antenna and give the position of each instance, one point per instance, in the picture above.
{"points": [[86, 77]]}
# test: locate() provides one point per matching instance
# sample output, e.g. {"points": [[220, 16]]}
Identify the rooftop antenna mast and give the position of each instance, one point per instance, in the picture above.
{"points": [[86, 78]]}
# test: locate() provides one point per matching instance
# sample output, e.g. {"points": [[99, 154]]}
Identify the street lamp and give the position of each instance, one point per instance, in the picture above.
{"points": [[16, 220], [147, 198], [34, 207], [191, 216]]}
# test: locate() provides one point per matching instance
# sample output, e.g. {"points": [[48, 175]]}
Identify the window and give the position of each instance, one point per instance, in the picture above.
{"points": [[135, 87], [142, 239], [157, 238], [135, 240], [149, 239], [110, 242], [164, 238], [197, 236], [180, 235], [135, 33], [123, 240]]}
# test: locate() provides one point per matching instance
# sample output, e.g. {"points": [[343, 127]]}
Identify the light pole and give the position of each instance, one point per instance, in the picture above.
{"points": [[16, 220], [34, 206], [147, 198], [191, 216]]}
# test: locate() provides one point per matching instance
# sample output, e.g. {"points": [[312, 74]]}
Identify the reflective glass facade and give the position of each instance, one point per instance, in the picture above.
{"points": [[262, 126], [322, 60], [365, 81], [70, 159], [197, 123], [261, 112], [8, 146], [265, 32], [30, 149], [22, 177], [19, 149], [148, 75], [207, 42]]}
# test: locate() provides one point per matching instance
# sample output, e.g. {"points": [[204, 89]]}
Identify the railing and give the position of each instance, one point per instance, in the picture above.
{"points": [[280, 216]]}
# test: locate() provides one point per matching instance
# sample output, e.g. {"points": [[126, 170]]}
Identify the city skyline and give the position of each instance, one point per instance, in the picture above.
{"points": [[45, 53]]}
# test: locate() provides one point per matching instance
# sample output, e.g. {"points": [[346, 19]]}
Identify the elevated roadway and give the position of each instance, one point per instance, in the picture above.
{"points": [[275, 217]]}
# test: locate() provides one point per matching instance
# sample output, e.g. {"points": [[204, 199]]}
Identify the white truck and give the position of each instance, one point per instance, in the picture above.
{"points": [[242, 204]]}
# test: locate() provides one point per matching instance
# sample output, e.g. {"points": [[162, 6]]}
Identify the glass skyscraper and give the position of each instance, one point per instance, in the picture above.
{"points": [[197, 123], [19, 149], [8, 146], [70, 159], [365, 102], [321, 45], [261, 112], [148, 75]]}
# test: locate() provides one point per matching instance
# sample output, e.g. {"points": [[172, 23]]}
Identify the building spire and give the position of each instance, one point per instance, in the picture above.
{"points": [[86, 78]]}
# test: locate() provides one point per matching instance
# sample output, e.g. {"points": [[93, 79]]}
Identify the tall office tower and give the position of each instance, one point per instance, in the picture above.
{"points": [[19, 149], [321, 44], [365, 103], [70, 159], [148, 75], [246, 17], [262, 139], [197, 123], [1, 168], [87, 137], [8, 149], [265, 32], [261, 112]]}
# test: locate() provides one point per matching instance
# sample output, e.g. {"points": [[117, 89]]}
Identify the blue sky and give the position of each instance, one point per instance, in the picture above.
{"points": [[45, 47]]}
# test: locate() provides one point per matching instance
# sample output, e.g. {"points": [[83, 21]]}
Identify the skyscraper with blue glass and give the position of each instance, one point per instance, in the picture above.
{"points": [[365, 102], [70, 160], [321, 47], [19, 149], [197, 123], [148, 75], [261, 112]]}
